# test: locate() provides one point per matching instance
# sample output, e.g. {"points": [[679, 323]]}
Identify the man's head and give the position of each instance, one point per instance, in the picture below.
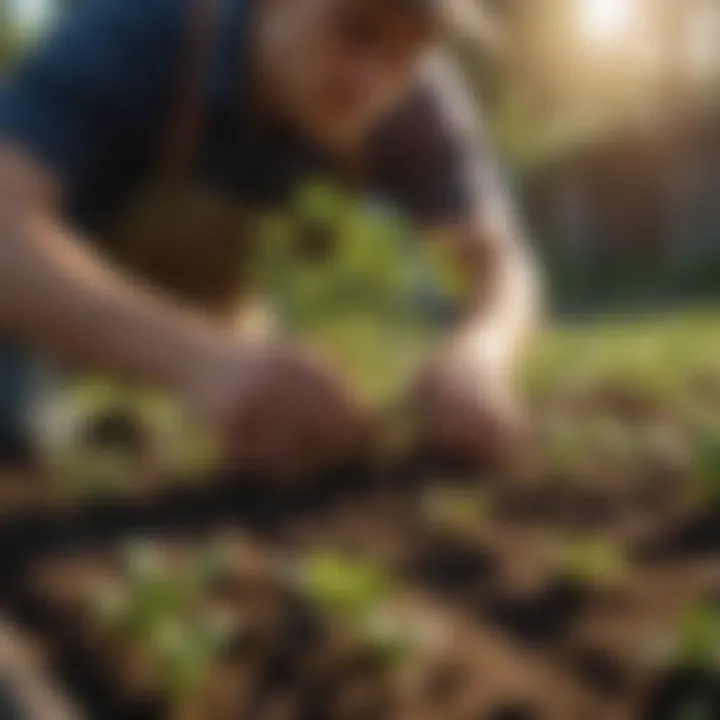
{"points": [[334, 67]]}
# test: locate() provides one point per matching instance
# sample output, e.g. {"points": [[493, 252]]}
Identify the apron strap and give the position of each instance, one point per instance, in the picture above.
{"points": [[183, 134]]}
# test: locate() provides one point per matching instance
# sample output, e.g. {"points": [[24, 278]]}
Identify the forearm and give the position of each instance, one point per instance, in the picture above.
{"points": [[58, 295], [508, 307], [504, 300]]}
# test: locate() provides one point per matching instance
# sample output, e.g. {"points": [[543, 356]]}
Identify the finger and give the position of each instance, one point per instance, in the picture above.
{"points": [[455, 424], [334, 419], [295, 438], [273, 456], [483, 436], [263, 440]]}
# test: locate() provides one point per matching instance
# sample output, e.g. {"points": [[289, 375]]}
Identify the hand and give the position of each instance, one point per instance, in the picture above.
{"points": [[282, 411], [466, 403]]}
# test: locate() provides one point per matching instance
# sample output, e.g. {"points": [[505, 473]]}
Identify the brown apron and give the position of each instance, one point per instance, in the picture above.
{"points": [[182, 237]]}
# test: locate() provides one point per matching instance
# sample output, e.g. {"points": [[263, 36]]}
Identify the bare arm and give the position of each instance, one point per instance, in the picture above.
{"points": [[467, 395], [99, 73], [56, 293], [505, 294], [435, 159]]}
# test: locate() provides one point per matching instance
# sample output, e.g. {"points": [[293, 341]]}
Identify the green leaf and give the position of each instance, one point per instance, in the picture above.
{"points": [[598, 561], [349, 587]]}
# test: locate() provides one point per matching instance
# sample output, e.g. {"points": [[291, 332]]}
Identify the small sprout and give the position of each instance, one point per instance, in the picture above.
{"points": [[181, 660], [393, 634], [90, 437], [348, 587], [590, 561], [692, 648], [698, 641], [184, 651], [95, 437], [357, 593], [160, 609], [455, 509]]}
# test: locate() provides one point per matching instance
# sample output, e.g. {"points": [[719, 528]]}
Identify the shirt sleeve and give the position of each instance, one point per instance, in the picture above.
{"points": [[97, 75], [432, 157]]}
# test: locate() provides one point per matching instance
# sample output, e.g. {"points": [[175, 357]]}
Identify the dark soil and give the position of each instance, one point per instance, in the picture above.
{"points": [[529, 641]]}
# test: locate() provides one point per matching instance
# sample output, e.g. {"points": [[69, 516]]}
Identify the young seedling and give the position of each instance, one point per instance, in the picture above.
{"points": [[695, 644], [92, 439], [159, 609], [344, 586], [97, 437], [358, 594], [597, 562], [689, 660], [460, 511], [185, 651]]}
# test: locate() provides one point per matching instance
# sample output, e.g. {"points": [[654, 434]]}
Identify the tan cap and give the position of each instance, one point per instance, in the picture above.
{"points": [[462, 17]]}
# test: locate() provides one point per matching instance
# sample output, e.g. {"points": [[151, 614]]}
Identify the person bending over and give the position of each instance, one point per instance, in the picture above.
{"points": [[242, 99]]}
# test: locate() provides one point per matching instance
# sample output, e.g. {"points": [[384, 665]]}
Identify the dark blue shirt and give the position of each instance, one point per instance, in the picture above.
{"points": [[93, 103]]}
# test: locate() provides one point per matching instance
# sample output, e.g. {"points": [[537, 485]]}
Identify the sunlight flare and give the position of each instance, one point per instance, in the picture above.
{"points": [[606, 20]]}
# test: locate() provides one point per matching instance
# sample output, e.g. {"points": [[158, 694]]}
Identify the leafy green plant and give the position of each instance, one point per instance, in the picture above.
{"points": [[691, 651], [156, 435], [696, 643], [185, 652], [93, 441], [159, 609], [345, 586], [359, 593], [368, 298]]}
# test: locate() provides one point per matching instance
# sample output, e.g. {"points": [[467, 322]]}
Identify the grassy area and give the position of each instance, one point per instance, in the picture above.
{"points": [[666, 349]]}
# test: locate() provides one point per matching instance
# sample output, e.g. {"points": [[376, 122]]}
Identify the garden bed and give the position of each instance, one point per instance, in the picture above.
{"points": [[579, 582], [539, 610]]}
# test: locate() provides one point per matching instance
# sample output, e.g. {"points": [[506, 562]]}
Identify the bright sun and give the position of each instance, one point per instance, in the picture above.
{"points": [[606, 20]]}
